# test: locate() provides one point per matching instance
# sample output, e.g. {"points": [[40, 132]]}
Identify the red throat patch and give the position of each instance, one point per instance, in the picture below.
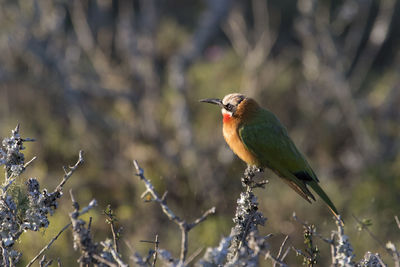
{"points": [[227, 117]]}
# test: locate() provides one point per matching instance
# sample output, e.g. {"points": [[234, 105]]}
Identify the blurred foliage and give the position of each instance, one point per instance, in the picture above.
{"points": [[122, 79]]}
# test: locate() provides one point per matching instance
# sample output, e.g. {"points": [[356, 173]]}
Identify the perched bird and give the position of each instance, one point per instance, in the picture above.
{"points": [[258, 137]]}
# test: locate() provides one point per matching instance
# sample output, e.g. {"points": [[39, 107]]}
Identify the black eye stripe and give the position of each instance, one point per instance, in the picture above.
{"points": [[233, 103], [229, 107]]}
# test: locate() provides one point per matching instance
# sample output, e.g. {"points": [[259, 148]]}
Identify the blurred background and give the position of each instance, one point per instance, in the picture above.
{"points": [[122, 79]]}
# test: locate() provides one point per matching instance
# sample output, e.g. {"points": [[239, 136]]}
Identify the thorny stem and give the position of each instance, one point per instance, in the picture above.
{"points": [[72, 169], [183, 225]]}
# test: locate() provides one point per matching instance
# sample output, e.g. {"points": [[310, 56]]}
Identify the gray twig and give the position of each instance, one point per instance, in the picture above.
{"points": [[72, 169], [183, 225], [30, 162], [275, 260], [155, 251], [48, 245]]}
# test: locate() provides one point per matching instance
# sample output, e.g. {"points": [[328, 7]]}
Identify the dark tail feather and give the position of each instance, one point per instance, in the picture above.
{"points": [[307, 196], [314, 185]]}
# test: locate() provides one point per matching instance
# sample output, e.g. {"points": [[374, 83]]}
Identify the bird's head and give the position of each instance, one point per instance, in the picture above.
{"points": [[229, 104]]}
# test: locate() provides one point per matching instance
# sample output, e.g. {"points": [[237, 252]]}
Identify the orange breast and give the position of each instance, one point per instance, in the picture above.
{"points": [[231, 135]]}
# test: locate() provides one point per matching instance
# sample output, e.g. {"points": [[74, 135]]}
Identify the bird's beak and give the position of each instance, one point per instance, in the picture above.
{"points": [[215, 101]]}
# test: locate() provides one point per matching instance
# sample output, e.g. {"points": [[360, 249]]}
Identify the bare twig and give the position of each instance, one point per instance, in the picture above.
{"points": [[397, 221], [275, 260], [44, 263], [193, 256], [72, 169], [155, 251], [201, 219], [48, 245], [111, 219], [374, 237], [30, 162], [281, 256], [183, 225], [103, 260], [114, 253], [333, 250]]}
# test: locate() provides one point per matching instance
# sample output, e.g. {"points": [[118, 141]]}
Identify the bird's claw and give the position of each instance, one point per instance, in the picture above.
{"points": [[249, 173], [253, 184]]}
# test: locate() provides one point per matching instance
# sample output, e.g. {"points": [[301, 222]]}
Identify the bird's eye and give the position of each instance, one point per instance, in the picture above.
{"points": [[229, 107]]}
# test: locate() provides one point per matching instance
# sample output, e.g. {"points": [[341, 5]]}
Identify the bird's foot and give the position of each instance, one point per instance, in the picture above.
{"points": [[253, 184], [249, 173]]}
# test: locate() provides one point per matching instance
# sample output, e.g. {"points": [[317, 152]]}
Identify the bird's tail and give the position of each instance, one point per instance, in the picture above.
{"points": [[314, 185]]}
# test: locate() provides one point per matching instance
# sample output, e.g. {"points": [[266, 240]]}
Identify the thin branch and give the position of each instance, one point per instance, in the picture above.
{"points": [[333, 250], [183, 225], [281, 250], [155, 251], [114, 237], [29, 162], [202, 218], [103, 260], [44, 263], [397, 221], [71, 171], [374, 237], [193, 256], [48, 245], [111, 219], [275, 260], [114, 254]]}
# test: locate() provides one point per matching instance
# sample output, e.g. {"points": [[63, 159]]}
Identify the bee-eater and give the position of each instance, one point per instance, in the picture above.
{"points": [[258, 137]]}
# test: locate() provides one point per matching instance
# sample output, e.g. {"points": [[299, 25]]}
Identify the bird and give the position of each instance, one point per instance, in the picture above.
{"points": [[258, 138]]}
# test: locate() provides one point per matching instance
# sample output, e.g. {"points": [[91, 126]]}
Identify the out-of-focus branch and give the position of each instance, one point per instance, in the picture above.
{"points": [[208, 26], [100, 62], [389, 247], [253, 45], [183, 225], [280, 257], [323, 67], [275, 260], [377, 36]]}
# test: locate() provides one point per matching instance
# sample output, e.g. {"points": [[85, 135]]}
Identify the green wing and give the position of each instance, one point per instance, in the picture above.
{"points": [[269, 141]]}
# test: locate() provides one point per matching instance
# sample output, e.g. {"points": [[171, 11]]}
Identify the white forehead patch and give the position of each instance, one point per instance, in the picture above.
{"points": [[233, 99]]}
